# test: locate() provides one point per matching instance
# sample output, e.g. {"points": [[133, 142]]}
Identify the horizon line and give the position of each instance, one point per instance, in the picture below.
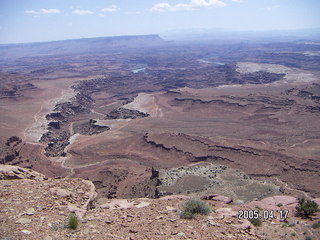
{"points": [[177, 31]]}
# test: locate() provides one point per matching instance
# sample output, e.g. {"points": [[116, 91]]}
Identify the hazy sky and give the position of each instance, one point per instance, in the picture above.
{"points": [[45, 20]]}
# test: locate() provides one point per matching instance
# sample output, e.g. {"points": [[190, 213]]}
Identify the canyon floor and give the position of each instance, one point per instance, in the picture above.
{"points": [[159, 120]]}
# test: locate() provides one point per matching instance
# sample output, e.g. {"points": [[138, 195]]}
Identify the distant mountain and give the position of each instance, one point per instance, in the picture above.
{"points": [[233, 35], [99, 44]]}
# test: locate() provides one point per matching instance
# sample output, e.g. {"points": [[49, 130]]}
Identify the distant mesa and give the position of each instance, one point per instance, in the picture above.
{"points": [[99, 44]]}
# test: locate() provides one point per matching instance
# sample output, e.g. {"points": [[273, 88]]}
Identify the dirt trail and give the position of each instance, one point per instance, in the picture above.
{"points": [[292, 189], [100, 114]]}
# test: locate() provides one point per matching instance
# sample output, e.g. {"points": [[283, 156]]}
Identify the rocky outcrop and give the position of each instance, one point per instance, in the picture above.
{"points": [[81, 103], [262, 77], [276, 202], [8, 151], [211, 181], [196, 149], [13, 85], [311, 94], [124, 113], [35, 200], [58, 116], [56, 142], [268, 102], [208, 171], [13, 141], [9, 172], [57, 138], [90, 128], [8, 154], [54, 125], [218, 198]]}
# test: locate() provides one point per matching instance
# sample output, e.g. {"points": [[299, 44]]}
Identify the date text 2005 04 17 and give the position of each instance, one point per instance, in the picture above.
{"points": [[263, 214]]}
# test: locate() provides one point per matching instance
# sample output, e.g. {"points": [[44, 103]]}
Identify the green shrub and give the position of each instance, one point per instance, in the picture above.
{"points": [[293, 234], [306, 208], [192, 207], [255, 221], [316, 225], [72, 222]]}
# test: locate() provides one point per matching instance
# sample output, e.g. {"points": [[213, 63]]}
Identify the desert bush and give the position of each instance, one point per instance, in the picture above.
{"points": [[316, 225], [306, 208], [73, 222], [255, 221], [192, 207]]}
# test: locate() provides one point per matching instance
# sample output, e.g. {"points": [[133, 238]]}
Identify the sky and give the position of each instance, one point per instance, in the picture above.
{"points": [[49, 20]]}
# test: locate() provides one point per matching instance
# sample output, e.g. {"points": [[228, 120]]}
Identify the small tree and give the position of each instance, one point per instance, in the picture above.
{"points": [[306, 208]]}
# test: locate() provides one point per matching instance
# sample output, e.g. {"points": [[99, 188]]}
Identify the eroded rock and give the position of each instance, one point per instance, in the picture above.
{"points": [[124, 113], [9, 172]]}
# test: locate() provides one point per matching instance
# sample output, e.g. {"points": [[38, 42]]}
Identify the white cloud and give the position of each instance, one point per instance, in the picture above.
{"points": [[165, 7], [209, 3], [161, 7], [30, 12], [112, 8], [49, 11], [44, 11], [238, 1], [272, 7], [82, 12]]}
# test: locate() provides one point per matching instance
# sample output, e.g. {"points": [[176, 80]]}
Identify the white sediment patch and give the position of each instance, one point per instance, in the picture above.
{"points": [[292, 74], [73, 138], [249, 67], [39, 127], [146, 102], [311, 53], [112, 123], [141, 103], [230, 86]]}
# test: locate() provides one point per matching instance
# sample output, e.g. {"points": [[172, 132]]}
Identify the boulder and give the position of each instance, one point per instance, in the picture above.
{"points": [[172, 197], [277, 200], [61, 192], [219, 198]]}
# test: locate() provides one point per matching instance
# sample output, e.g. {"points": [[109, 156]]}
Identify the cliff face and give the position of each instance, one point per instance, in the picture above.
{"points": [[35, 207]]}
